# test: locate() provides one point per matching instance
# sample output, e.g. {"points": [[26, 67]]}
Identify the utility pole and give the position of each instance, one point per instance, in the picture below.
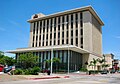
{"points": [[68, 60], [51, 60]]}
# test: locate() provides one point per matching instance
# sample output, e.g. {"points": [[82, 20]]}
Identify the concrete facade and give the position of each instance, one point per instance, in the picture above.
{"points": [[77, 31], [109, 58]]}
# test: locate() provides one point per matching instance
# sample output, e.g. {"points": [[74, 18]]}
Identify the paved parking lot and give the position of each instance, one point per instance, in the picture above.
{"points": [[74, 79]]}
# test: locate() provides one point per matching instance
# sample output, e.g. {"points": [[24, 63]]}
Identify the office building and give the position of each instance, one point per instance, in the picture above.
{"points": [[74, 36]]}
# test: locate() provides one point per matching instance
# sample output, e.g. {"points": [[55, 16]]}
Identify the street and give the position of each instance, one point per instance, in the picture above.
{"points": [[74, 79]]}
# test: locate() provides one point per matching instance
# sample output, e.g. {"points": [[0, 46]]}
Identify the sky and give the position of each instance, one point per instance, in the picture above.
{"points": [[14, 28]]}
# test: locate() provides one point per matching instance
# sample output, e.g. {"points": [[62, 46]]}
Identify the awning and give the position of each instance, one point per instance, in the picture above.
{"points": [[48, 48]]}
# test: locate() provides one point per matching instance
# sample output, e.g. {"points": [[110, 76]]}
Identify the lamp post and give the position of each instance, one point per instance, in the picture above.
{"points": [[68, 60], [51, 60]]}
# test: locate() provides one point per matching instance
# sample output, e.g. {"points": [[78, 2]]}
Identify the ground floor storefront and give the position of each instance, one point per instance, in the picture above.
{"points": [[70, 59]]}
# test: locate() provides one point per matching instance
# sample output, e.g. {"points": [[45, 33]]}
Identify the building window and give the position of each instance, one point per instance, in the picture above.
{"points": [[58, 42], [47, 25], [43, 23], [76, 16], [50, 42], [54, 42], [58, 34], [76, 41], [67, 41], [62, 41], [37, 27], [46, 43], [33, 44], [81, 31], [40, 37], [81, 40], [71, 17], [55, 21], [72, 41], [58, 27], [50, 35], [39, 43], [59, 20], [62, 22], [67, 34], [54, 35], [67, 21], [71, 25], [71, 33], [34, 28], [76, 32], [36, 38], [62, 34], [81, 17], [33, 38], [46, 36], [36, 44], [51, 25]]}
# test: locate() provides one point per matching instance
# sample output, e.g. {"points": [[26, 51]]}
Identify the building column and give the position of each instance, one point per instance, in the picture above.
{"points": [[69, 30], [45, 32], [49, 32], [35, 35], [31, 34], [79, 29], [65, 30], [60, 30], [53, 31], [56, 30], [38, 34], [42, 33], [74, 30]]}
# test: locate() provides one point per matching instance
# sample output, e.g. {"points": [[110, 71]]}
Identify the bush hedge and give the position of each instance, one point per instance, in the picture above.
{"points": [[30, 71]]}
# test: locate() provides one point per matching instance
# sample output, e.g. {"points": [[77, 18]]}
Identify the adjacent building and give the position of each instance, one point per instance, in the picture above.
{"points": [[74, 36], [109, 58]]}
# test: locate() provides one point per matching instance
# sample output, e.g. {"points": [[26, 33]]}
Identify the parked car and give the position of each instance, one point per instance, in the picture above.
{"points": [[104, 72], [7, 69], [118, 71], [112, 71]]}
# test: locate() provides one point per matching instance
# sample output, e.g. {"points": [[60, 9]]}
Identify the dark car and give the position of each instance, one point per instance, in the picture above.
{"points": [[7, 69], [104, 72], [112, 71]]}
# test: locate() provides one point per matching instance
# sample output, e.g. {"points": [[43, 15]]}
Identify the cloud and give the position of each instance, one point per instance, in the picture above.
{"points": [[2, 29], [14, 23]]}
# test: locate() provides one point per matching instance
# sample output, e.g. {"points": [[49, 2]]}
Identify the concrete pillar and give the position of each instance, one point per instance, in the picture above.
{"points": [[69, 29], [42, 33], [74, 30], [49, 33], [65, 30]]}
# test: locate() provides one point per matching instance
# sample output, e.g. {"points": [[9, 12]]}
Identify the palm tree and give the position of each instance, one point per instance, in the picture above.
{"points": [[56, 61], [101, 61], [93, 63]]}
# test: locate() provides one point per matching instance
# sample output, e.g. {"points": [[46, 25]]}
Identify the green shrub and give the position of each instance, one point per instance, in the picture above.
{"points": [[18, 72], [35, 70], [83, 69], [30, 71], [27, 72], [94, 71]]}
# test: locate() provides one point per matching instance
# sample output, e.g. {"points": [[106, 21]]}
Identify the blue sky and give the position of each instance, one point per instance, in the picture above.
{"points": [[14, 28]]}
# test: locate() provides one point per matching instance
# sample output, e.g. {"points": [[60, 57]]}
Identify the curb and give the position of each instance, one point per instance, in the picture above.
{"points": [[48, 77]]}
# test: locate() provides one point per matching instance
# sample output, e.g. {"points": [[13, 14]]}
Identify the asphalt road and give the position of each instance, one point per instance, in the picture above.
{"points": [[74, 79]]}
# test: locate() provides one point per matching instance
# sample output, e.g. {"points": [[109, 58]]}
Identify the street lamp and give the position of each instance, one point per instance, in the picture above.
{"points": [[68, 59], [51, 60]]}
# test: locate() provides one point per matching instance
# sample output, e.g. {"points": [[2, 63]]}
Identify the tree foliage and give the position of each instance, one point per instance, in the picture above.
{"points": [[6, 60], [27, 60]]}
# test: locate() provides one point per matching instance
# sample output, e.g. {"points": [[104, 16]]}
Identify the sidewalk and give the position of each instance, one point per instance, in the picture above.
{"points": [[6, 77]]}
